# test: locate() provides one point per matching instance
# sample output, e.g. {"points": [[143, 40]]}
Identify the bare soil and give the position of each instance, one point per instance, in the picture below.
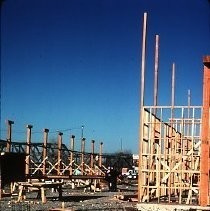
{"points": [[74, 200]]}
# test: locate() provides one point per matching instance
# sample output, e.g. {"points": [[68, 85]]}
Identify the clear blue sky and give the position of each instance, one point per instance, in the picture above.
{"points": [[68, 63]]}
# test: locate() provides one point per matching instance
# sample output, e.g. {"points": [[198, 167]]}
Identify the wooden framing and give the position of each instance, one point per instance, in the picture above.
{"points": [[71, 154], [46, 131], [28, 149], [205, 136], [9, 135], [174, 147], [170, 155], [55, 159]]}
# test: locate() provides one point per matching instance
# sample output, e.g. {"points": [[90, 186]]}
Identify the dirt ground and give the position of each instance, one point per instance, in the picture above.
{"points": [[74, 200]]}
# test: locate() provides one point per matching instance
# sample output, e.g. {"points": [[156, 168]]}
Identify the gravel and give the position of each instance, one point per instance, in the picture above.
{"points": [[72, 199]]}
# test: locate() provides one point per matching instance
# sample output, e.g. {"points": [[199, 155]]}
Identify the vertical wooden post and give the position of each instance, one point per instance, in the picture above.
{"points": [[46, 131], [188, 110], [92, 156], [204, 160], [82, 136], [71, 154], [59, 152], [170, 180], [9, 135], [172, 91], [82, 155], [140, 190], [188, 99], [100, 154], [143, 55], [28, 149], [156, 70], [1, 188]]}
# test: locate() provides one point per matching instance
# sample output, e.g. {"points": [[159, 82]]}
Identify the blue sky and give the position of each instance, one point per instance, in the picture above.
{"points": [[76, 62]]}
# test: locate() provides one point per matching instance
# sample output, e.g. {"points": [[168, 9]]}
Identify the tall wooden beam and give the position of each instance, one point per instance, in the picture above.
{"points": [[71, 154], [204, 178], [100, 154], [59, 152], [28, 149], [172, 92], [156, 71], [92, 155], [46, 131], [82, 155], [140, 193], [143, 55], [9, 135]]}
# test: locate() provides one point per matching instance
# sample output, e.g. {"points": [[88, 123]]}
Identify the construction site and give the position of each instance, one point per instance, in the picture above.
{"points": [[173, 146], [173, 162], [27, 167]]}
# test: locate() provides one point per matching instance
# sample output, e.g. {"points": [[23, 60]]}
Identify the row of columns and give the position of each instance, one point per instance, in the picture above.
{"points": [[59, 154]]}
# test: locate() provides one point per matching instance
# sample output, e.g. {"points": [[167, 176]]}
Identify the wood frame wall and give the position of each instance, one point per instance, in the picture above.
{"points": [[174, 147], [169, 163]]}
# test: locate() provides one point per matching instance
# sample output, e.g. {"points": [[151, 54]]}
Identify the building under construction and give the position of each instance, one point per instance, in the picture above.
{"points": [[174, 154], [174, 144], [42, 165]]}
